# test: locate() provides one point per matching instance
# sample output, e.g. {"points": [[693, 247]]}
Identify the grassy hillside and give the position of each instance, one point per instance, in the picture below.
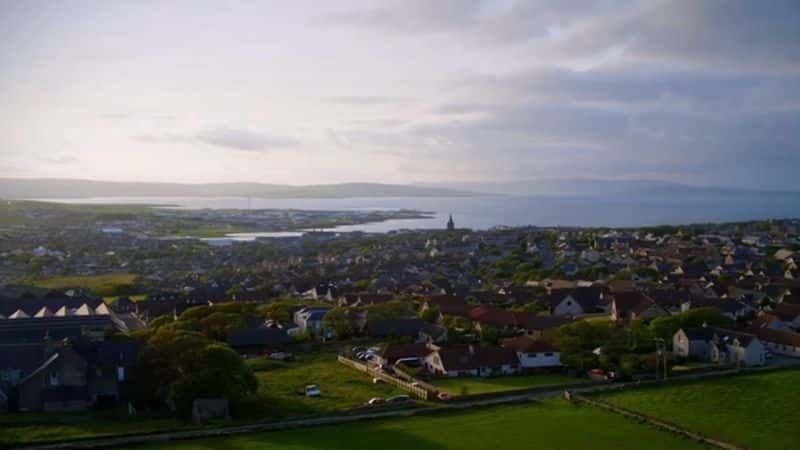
{"points": [[549, 425], [756, 410], [107, 285]]}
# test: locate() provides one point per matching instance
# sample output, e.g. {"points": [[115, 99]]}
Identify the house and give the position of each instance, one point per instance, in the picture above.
{"points": [[576, 301], [693, 342], [733, 347], [767, 320], [258, 340], [789, 314], [781, 342], [58, 384], [66, 375], [395, 328], [719, 345], [310, 318], [449, 305], [735, 309], [392, 352], [537, 326], [633, 305], [472, 361], [532, 353]]}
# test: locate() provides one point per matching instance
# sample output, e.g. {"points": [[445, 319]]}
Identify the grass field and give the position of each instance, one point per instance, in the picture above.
{"points": [[341, 386], [106, 285], [18, 428], [755, 410], [549, 425], [472, 385]]}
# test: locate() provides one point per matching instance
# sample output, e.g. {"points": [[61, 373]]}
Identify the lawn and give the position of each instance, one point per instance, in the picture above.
{"points": [[17, 428], [106, 285], [754, 410], [549, 425], [473, 385], [341, 386]]}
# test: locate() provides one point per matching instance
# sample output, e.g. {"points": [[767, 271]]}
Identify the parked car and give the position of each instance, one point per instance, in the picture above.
{"points": [[312, 391], [376, 401], [281, 356], [768, 354], [357, 349], [398, 399], [443, 396]]}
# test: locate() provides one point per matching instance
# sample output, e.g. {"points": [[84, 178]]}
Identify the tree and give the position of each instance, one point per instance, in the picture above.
{"points": [[395, 309], [430, 314], [665, 327], [178, 366], [337, 320], [218, 372], [533, 307], [489, 335]]}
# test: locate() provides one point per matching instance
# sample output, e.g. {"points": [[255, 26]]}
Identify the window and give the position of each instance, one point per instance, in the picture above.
{"points": [[54, 381], [548, 354]]}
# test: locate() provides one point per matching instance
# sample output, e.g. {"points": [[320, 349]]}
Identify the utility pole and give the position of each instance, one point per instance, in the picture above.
{"points": [[661, 353]]}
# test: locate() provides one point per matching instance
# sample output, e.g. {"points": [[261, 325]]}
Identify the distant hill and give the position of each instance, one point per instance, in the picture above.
{"points": [[22, 188], [590, 187]]}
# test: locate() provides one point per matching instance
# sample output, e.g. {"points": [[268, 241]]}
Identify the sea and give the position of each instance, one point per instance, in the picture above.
{"points": [[487, 211]]}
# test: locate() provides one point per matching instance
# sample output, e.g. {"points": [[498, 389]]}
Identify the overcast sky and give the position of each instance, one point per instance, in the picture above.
{"points": [[303, 92]]}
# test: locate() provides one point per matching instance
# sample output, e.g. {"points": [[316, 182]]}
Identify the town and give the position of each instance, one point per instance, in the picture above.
{"points": [[156, 333]]}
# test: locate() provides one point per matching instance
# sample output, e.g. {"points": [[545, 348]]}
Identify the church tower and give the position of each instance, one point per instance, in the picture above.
{"points": [[450, 224]]}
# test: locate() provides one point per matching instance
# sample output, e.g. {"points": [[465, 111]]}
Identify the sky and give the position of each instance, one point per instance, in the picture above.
{"points": [[412, 91]]}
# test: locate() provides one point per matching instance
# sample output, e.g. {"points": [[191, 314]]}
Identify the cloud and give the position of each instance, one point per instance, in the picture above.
{"points": [[713, 34], [694, 126], [60, 159], [114, 116], [244, 140], [364, 100]]}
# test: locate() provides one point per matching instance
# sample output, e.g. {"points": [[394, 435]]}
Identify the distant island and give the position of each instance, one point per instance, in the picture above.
{"points": [[30, 188]]}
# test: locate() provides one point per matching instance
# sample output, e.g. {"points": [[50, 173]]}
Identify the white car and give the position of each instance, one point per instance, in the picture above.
{"points": [[280, 356], [312, 391]]}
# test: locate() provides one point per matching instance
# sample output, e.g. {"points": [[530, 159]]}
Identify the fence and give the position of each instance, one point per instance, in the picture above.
{"points": [[664, 425], [418, 390]]}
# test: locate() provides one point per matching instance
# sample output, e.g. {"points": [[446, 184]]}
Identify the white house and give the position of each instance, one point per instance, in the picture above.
{"points": [[731, 347], [533, 354], [310, 318], [693, 342], [719, 345], [472, 361]]}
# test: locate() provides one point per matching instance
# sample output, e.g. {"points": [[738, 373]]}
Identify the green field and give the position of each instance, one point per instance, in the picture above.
{"points": [[106, 285], [18, 428], [475, 385], [549, 425], [341, 386], [755, 410]]}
